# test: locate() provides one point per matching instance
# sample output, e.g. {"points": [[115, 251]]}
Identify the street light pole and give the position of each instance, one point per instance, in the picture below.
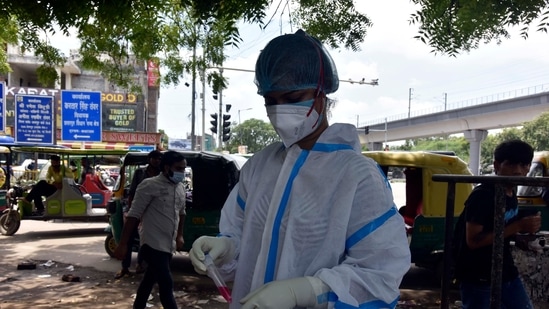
{"points": [[245, 109]]}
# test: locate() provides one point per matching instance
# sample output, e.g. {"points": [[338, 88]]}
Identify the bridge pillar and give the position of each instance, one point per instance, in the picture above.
{"points": [[475, 137], [374, 146]]}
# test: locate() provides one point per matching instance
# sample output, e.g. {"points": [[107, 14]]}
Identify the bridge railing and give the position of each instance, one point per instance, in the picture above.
{"points": [[522, 92]]}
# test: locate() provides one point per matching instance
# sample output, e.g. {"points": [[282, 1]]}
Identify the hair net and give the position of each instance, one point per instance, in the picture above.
{"points": [[295, 62]]}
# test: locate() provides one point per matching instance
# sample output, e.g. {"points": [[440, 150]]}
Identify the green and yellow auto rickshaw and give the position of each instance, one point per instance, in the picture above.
{"points": [[424, 209], [209, 179], [530, 197], [73, 202]]}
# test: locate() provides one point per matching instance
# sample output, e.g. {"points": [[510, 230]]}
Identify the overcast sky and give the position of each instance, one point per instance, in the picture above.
{"points": [[390, 54]]}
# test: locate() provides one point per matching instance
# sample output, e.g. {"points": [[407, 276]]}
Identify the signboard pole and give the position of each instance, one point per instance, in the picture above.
{"points": [[3, 107]]}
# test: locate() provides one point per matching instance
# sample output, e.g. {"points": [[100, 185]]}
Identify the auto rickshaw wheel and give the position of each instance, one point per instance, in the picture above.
{"points": [[9, 223], [110, 245]]}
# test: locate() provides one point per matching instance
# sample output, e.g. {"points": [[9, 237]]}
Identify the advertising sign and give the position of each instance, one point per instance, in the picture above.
{"points": [[141, 148], [153, 73], [81, 116], [134, 138], [119, 117], [179, 144], [34, 119]]}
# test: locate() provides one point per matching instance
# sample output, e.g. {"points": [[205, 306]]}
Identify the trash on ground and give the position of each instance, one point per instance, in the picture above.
{"points": [[26, 265], [48, 263], [151, 297], [70, 278]]}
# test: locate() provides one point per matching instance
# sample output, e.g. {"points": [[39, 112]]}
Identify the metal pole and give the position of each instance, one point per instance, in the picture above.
{"points": [[445, 100], [203, 138], [409, 101], [497, 247], [447, 258], [193, 101], [385, 131], [220, 122]]}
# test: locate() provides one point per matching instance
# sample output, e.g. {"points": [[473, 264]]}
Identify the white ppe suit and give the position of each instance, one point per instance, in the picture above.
{"points": [[327, 213]]}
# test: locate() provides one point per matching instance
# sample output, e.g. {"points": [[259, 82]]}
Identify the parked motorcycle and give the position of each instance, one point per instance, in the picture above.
{"points": [[105, 176]]}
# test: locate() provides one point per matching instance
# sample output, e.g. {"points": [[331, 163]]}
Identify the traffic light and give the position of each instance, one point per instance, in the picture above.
{"points": [[214, 94], [367, 130], [214, 123], [226, 131]]}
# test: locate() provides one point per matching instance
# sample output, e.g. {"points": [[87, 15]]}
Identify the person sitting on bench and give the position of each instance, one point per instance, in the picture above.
{"points": [[47, 187]]}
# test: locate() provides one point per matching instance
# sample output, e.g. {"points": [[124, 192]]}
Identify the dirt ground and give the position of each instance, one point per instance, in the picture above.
{"points": [[44, 287]]}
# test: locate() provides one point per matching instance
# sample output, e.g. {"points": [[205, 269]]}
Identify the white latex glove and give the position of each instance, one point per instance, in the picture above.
{"points": [[221, 249], [287, 294]]}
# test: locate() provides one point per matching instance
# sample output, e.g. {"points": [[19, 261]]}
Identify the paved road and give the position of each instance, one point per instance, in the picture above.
{"points": [[68, 242]]}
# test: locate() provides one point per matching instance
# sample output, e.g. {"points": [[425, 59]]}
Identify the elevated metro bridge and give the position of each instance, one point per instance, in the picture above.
{"points": [[472, 120]]}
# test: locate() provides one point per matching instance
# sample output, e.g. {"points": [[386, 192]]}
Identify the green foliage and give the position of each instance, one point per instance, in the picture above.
{"points": [[536, 132], [459, 145], [164, 139], [407, 146], [47, 74], [488, 146], [254, 133], [163, 29], [8, 35], [452, 26], [344, 25]]}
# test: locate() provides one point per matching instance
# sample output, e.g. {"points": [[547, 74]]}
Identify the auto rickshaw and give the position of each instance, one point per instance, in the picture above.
{"points": [[74, 202], [529, 197], [425, 208], [210, 177]]}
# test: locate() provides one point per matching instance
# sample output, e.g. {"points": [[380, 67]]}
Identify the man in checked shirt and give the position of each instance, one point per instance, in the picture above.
{"points": [[159, 204]]}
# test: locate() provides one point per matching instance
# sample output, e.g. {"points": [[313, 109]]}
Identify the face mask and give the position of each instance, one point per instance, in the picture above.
{"points": [[177, 177], [290, 121]]}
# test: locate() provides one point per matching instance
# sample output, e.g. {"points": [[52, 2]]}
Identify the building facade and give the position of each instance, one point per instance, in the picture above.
{"points": [[127, 118]]}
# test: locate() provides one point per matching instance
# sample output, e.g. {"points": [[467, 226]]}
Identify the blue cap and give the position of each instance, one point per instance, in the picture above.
{"points": [[294, 62]]}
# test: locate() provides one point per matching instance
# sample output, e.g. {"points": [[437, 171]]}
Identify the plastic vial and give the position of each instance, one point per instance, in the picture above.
{"points": [[213, 273]]}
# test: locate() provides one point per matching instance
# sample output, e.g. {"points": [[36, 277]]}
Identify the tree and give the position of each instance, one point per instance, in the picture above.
{"points": [[453, 26], [254, 133], [150, 29], [535, 132], [458, 145], [164, 138], [407, 146], [488, 146]]}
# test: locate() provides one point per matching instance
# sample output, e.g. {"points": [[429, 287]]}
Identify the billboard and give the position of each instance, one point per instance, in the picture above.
{"points": [[179, 144], [119, 117]]}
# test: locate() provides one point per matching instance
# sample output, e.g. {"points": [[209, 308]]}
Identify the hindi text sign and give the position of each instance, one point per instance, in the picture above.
{"points": [[34, 119], [81, 116]]}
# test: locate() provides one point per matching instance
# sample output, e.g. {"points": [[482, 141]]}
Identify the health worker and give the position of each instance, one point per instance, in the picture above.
{"points": [[311, 222]]}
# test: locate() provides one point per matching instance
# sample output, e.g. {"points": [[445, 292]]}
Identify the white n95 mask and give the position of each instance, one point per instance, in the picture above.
{"points": [[291, 122]]}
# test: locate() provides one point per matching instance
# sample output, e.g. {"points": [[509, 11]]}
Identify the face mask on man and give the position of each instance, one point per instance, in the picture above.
{"points": [[177, 177], [291, 122]]}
